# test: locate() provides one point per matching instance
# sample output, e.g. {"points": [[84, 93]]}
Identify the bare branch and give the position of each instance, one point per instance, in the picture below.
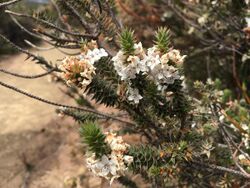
{"points": [[98, 3], [55, 38], [5, 4], [37, 59], [50, 48], [56, 46], [234, 144], [221, 168], [78, 16], [60, 15], [37, 47], [29, 32], [27, 76], [112, 15], [107, 116], [231, 151], [51, 25]]}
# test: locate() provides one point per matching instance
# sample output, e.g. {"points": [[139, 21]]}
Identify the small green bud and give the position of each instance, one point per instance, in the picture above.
{"points": [[162, 39], [92, 135], [127, 41]]}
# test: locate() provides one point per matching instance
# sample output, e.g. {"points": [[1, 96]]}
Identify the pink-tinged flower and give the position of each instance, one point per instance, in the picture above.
{"points": [[77, 72], [175, 56]]}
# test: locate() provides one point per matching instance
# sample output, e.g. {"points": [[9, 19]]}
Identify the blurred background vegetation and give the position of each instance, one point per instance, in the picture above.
{"points": [[12, 31]]}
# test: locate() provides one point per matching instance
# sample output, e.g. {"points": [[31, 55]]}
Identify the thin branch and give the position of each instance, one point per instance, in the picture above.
{"points": [[5, 4], [77, 16], [234, 144], [231, 151], [34, 57], [29, 32], [27, 76], [98, 3], [201, 51], [60, 15], [236, 78], [55, 38], [130, 12], [63, 105], [113, 17], [234, 122], [54, 46], [51, 25], [221, 168], [37, 47]]}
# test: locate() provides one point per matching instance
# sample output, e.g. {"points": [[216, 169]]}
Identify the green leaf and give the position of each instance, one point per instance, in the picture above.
{"points": [[92, 135], [162, 39], [127, 41]]}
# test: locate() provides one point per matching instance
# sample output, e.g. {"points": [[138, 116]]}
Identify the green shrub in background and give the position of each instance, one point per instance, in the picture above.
{"points": [[13, 31]]}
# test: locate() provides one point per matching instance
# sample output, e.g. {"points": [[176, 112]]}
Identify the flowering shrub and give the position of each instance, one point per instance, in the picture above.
{"points": [[151, 90], [196, 138]]}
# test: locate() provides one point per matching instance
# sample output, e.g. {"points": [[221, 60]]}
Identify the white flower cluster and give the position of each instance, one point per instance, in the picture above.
{"points": [[160, 70], [79, 70], [128, 66], [154, 64], [246, 136], [113, 165]]}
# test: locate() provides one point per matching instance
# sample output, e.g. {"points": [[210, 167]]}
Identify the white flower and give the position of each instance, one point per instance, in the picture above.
{"points": [[107, 166], [207, 148], [160, 71], [248, 21], [203, 19], [210, 81], [116, 143], [245, 127], [136, 64], [153, 57], [120, 57], [123, 69], [174, 55], [139, 51], [128, 66], [246, 140], [77, 71], [95, 55], [154, 64], [128, 159], [133, 95], [241, 157], [164, 75], [193, 125], [103, 167], [114, 165]]}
